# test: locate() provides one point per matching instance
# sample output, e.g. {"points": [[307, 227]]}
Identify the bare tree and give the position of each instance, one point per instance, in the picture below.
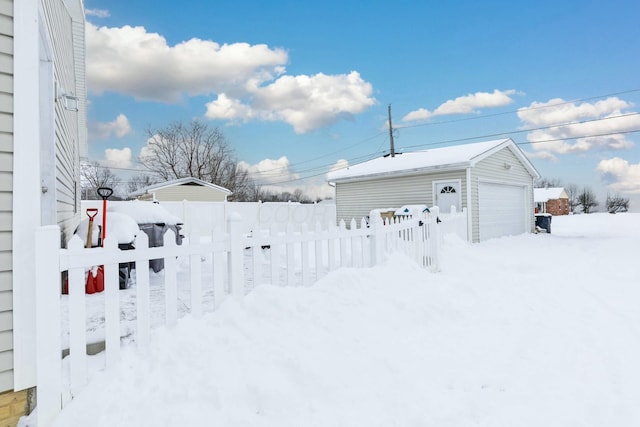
{"points": [[572, 192], [139, 181], [617, 203], [194, 150], [587, 200], [548, 183], [94, 176]]}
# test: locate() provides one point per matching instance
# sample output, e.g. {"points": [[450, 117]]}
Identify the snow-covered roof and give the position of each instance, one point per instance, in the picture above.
{"points": [[179, 181], [546, 194], [454, 157]]}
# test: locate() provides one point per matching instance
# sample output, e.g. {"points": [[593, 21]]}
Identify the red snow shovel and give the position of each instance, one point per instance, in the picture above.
{"points": [[91, 213], [95, 278]]}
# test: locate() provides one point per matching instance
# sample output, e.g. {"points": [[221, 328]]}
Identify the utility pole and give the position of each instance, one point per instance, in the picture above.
{"points": [[393, 150]]}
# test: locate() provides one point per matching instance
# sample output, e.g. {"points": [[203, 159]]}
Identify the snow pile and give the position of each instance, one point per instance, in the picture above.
{"points": [[144, 212], [527, 331], [118, 224]]}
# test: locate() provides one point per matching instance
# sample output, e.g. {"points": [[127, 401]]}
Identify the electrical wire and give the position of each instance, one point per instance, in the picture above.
{"points": [[359, 159]]}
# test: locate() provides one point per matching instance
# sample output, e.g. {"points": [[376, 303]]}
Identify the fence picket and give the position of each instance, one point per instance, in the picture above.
{"points": [[195, 275], [143, 302], [170, 282], [344, 258], [112, 305], [304, 253], [218, 263], [77, 321], [274, 252], [318, 248], [291, 263], [331, 243]]}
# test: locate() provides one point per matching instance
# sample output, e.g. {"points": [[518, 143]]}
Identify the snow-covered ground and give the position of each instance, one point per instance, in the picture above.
{"points": [[532, 330]]}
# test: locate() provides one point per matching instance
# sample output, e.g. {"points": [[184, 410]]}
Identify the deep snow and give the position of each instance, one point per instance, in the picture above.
{"points": [[532, 330]]}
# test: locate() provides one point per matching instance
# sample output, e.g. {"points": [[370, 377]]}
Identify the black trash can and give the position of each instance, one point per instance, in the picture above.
{"points": [[155, 232], [544, 221], [126, 267]]}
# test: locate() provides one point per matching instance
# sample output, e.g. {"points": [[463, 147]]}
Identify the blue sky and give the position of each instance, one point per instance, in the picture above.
{"points": [[301, 87]]}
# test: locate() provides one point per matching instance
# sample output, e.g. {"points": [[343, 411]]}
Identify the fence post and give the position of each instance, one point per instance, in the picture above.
{"points": [[170, 281], [236, 254], [48, 329], [377, 238], [195, 276]]}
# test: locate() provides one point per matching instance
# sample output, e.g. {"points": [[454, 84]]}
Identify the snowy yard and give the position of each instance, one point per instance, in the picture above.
{"points": [[533, 330]]}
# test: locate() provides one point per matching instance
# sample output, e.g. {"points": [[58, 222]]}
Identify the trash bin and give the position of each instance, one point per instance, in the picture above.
{"points": [[155, 232], [126, 267], [544, 221]]}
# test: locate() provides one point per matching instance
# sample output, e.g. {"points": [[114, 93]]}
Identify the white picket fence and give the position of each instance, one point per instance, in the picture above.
{"points": [[235, 263]]}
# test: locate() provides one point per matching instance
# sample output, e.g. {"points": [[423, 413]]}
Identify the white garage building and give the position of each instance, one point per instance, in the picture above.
{"points": [[492, 179]]}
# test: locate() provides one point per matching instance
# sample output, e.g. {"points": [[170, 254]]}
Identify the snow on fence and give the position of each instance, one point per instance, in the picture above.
{"points": [[204, 216], [223, 264]]}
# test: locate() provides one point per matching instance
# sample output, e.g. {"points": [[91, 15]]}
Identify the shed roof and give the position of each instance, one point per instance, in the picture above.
{"points": [[454, 157], [179, 181], [546, 194]]}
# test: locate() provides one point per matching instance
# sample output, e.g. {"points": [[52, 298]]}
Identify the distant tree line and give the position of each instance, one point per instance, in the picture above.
{"points": [[584, 198]]}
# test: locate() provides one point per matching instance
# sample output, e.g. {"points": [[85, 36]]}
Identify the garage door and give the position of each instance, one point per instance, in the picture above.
{"points": [[502, 210]]}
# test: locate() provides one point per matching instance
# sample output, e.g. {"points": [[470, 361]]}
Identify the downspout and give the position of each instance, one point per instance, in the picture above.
{"points": [[469, 208]]}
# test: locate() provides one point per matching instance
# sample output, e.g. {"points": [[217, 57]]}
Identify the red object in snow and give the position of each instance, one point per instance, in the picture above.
{"points": [[95, 281]]}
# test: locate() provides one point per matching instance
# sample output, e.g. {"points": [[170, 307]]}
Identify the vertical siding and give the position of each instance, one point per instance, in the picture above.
{"points": [[68, 133], [6, 191], [492, 169], [357, 199]]}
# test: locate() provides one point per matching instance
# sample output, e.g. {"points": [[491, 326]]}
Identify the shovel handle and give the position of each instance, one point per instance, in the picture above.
{"points": [[91, 213], [104, 192]]}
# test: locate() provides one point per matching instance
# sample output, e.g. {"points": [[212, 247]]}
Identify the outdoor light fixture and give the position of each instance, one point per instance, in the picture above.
{"points": [[507, 166], [69, 100]]}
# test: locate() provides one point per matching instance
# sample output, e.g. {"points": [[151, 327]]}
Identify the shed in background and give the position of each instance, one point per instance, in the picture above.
{"points": [[177, 190], [492, 179]]}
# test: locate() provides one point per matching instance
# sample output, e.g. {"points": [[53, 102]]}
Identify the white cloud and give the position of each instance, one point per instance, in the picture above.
{"points": [[464, 105], [304, 102], [274, 175], [620, 175], [247, 80], [116, 158], [118, 128], [270, 171], [98, 13], [134, 62], [586, 122]]}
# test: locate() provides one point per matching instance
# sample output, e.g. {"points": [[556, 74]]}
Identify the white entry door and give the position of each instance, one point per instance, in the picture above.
{"points": [[447, 194]]}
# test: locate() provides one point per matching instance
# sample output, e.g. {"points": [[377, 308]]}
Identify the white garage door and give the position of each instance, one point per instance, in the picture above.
{"points": [[502, 210]]}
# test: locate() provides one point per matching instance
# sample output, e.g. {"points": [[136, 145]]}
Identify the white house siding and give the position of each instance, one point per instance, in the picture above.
{"points": [[69, 136], [192, 193], [357, 199], [492, 169], [6, 190]]}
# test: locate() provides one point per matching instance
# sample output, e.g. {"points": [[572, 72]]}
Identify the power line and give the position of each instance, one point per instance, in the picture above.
{"points": [[377, 152], [525, 130], [541, 107]]}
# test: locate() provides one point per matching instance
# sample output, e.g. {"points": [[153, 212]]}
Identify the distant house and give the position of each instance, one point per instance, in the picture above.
{"points": [[493, 180], [42, 139], [554, 201], [177, 190]]}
